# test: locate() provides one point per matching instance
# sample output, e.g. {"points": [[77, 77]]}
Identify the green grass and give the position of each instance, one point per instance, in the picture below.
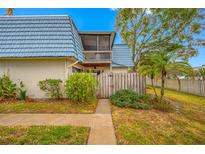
{"points": [[182, 97], [154, 127], [187, 126], [33, 135], [191, 106], [55, 106]]}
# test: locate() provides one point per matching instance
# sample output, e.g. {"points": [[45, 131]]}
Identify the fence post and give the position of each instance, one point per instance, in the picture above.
{"points": [[110, 75]]}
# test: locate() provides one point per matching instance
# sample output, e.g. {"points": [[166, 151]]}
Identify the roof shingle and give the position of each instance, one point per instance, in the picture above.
{"points": [[121, 56], [39, 36]]}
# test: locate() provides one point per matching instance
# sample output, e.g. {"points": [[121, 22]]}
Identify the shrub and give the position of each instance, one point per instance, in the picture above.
{"points": [[81, 87], [128, 98], [22, 92], [161, 105], [51, 87], [7, 87]]}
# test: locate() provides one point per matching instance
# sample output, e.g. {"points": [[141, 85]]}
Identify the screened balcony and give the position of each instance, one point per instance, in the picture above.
{"points": [[97, 46], [97, 56], [93, 42]]}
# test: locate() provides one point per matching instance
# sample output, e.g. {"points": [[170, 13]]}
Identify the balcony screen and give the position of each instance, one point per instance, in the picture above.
{"points": [[103, 42], [96, 42], [89, 42]]}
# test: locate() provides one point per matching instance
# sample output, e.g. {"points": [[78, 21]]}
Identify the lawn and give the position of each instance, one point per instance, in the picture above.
{"points": [[191, 106], [134, 126], [43, 135], [154, 127], [45, 106], [182, 97]]}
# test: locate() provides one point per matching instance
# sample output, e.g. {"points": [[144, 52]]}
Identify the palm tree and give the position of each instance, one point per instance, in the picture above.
{"points": [[166, 63], [146, 69]]}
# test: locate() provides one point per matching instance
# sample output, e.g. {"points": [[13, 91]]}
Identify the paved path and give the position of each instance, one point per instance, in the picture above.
{"points": [[102, 131]]}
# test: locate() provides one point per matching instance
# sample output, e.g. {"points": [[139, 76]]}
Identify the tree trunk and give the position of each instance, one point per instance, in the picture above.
{"points": [[153, 87], [163, 75], [139, 58], [133, 51], [179, 83], [133, 61]]}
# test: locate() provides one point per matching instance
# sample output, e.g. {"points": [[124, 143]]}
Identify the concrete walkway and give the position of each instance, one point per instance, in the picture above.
{"points": [[102, 131]]}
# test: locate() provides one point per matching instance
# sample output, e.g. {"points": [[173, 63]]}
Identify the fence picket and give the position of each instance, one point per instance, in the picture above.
{"points": [[109, 83], [112, 82]]}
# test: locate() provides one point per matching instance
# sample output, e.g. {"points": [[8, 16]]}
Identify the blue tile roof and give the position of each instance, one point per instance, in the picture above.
{"points": [[39, 36], [121, 56], [48, 36]]}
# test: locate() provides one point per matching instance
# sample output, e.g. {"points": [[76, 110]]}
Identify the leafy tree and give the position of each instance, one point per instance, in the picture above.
{"points": [[9, 11], [201, 73], [148, 29]]}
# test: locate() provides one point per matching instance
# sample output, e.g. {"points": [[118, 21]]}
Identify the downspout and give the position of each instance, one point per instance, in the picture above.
{"points": [[111, 62]]}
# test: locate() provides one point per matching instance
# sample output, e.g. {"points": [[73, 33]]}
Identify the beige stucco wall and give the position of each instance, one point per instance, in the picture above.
{"points": [[106, 69], [31, 71], [120, 69], [72, 63]]}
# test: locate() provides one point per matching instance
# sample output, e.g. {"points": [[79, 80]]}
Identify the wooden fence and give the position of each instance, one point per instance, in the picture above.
{"points": [[196, 87], [109, 83]]}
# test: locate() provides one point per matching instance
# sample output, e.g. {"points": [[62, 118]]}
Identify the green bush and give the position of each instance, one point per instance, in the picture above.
{"points": [[81, 87], [7, 87], [22, 92], [51, 87], [161, 105], [128, 98]]}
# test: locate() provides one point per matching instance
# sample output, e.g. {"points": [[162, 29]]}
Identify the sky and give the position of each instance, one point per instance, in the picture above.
{"points": [[94, 20]]}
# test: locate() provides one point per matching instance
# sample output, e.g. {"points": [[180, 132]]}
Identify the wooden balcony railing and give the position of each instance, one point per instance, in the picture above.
{"points": [[97, 56]]}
